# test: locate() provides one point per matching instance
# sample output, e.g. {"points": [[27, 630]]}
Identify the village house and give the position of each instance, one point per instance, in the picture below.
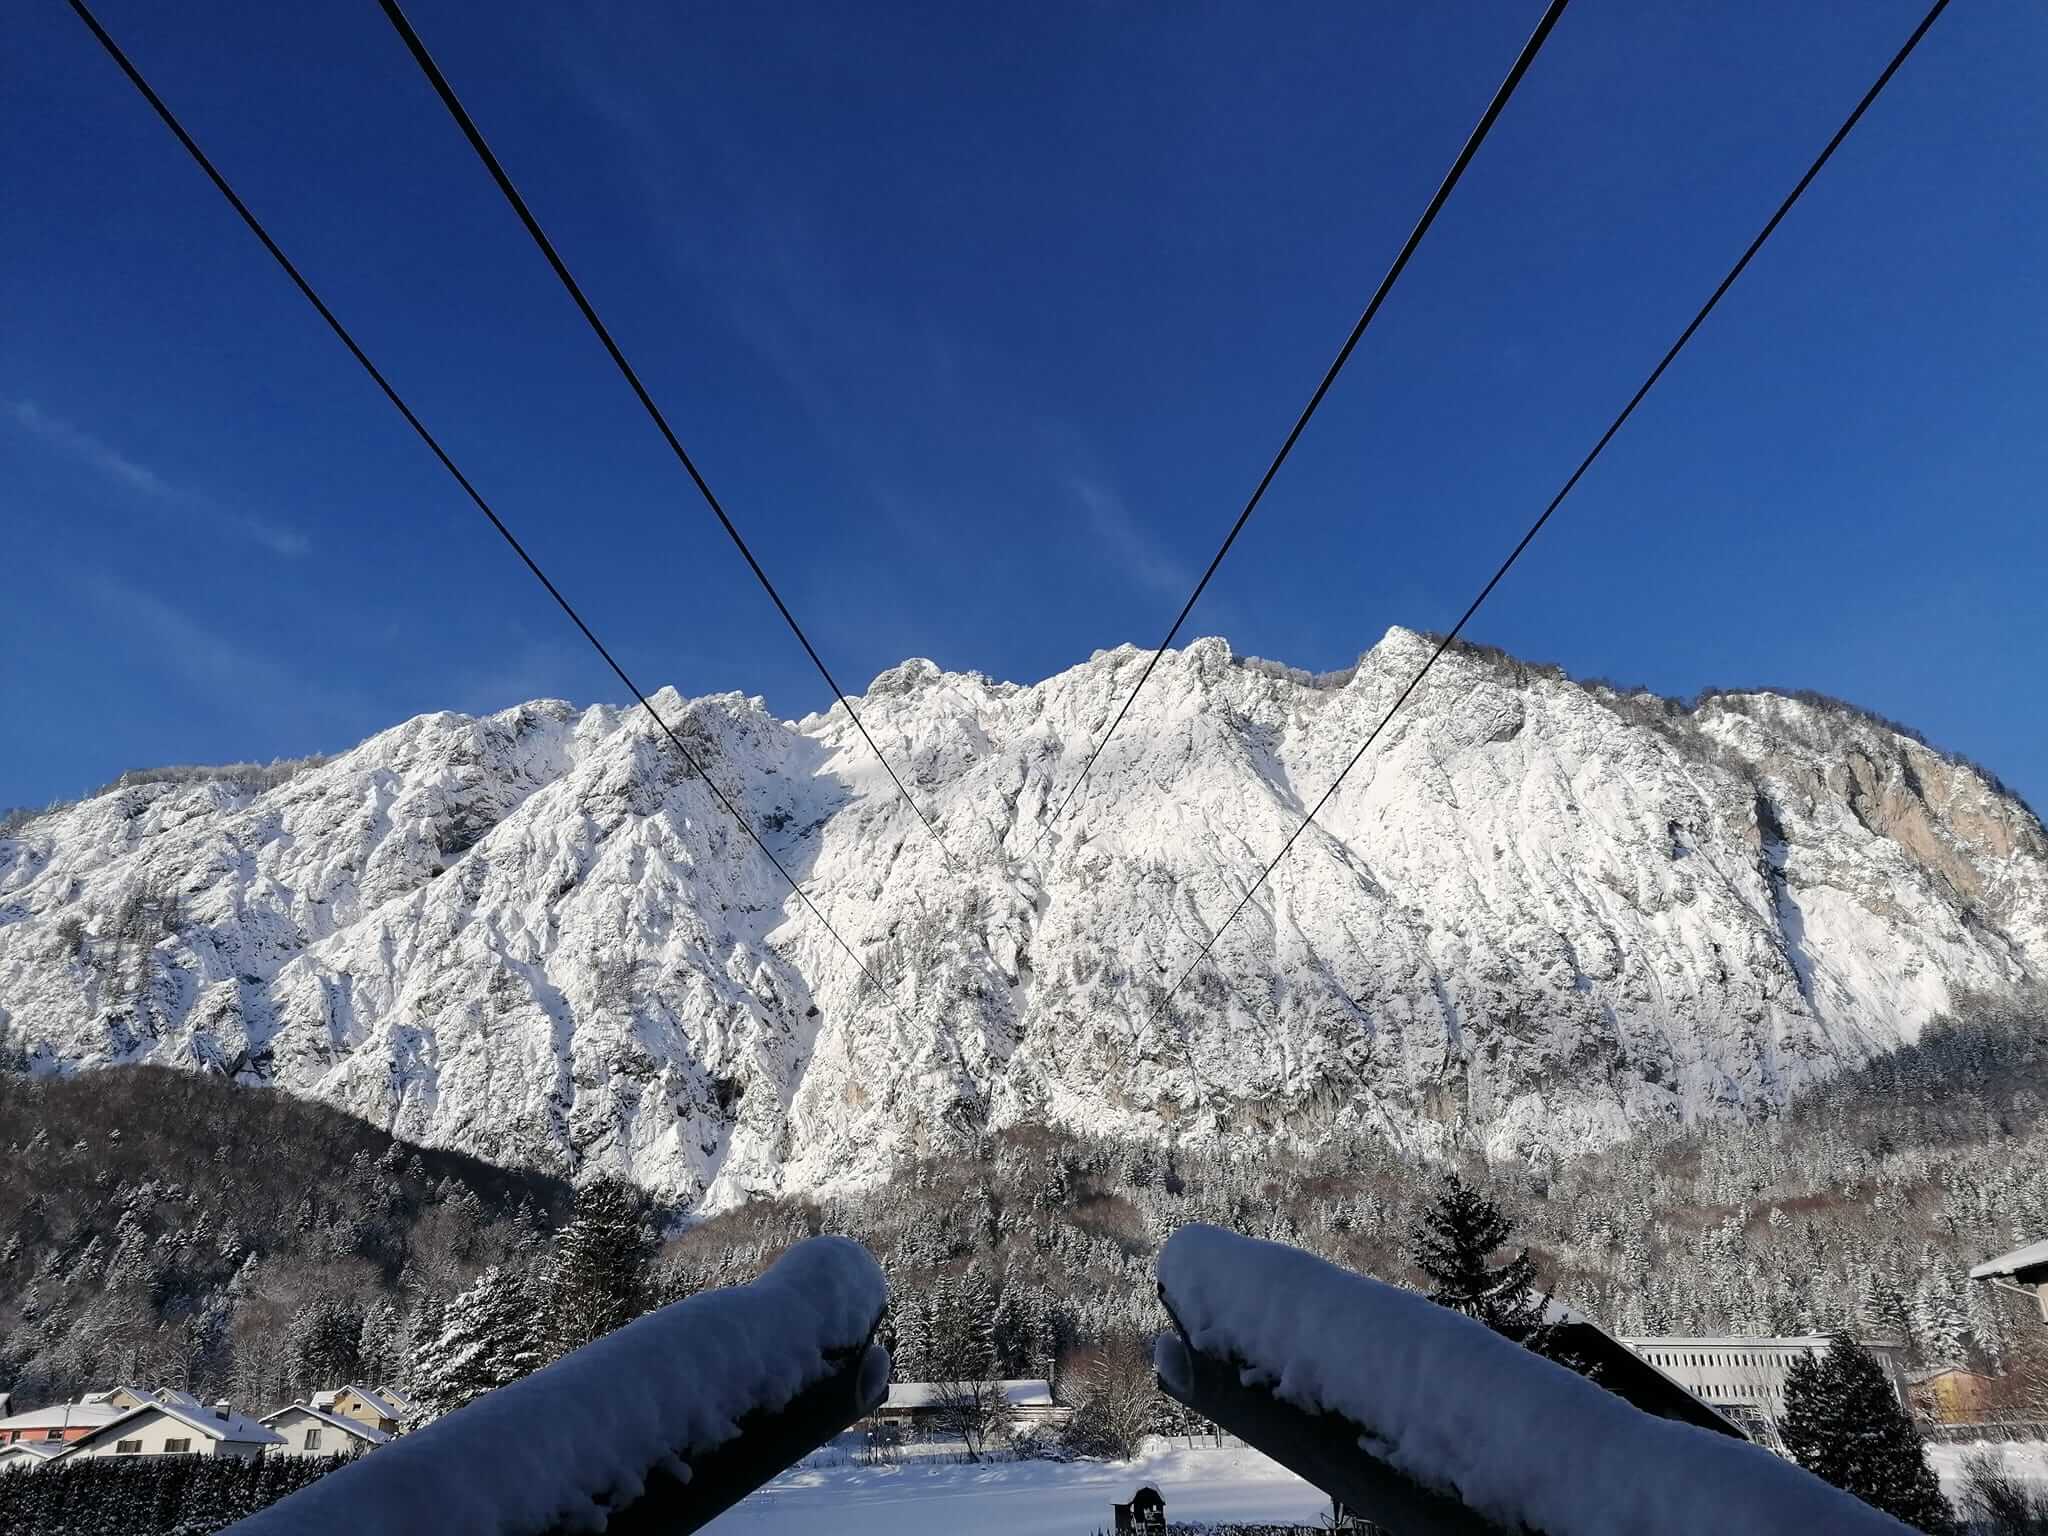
{"points": [[1953, 1395], [1744, 1378], [167, 1423], [913, 1407], [25, 1454], [61, 1423], [382, 1408], [2024, 1270], [311, 1431]]}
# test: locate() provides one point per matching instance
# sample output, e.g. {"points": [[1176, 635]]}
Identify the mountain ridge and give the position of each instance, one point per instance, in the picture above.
{"points": [[1539, 915]]}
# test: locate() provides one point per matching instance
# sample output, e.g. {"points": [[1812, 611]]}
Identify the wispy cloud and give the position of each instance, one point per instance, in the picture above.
{"points": [[241, 677], [1126, 541], [115, 466]]}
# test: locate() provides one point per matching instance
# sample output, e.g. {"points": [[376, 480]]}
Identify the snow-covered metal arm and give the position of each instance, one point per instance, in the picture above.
{"points": [[659, 1426], [1422, 1420]]}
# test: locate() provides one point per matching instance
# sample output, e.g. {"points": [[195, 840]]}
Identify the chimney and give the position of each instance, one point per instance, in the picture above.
{"points": [[221, 1410]]}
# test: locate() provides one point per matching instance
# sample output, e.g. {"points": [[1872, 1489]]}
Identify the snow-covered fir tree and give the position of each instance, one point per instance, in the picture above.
{"points": [[325, 1342], [601, 1271], [1843, 1423], [1455, 1242], [378, 1344], [490, 1335]]}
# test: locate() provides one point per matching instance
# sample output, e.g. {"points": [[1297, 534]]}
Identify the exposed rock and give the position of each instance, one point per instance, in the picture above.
{"points": [[1538, 915]]}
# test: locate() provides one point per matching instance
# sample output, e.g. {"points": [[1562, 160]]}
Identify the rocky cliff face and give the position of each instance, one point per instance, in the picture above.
{"points": [[1537, 916]]}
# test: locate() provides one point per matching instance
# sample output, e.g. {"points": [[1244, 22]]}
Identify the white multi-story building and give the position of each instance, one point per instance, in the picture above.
{"points": [[1744, 1378]]}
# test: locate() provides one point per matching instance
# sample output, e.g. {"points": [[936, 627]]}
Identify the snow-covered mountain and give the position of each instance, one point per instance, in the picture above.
{"points": [[1539, 914]]}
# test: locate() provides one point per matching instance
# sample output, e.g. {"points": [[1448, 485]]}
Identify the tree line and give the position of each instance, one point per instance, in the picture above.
{"points": [[173, 1229]]}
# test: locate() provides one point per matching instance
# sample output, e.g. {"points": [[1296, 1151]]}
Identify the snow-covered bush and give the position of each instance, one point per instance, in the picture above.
{"points": [[1997, 1502]]}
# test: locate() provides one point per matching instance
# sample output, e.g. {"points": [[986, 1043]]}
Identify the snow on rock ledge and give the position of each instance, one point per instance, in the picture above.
{"points": [[1538, 917], [563, 1447], [1465, 1412]]}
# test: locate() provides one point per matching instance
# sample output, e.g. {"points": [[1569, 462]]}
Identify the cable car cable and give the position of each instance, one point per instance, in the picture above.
{"points": [[341, 332], [1585, 464]]}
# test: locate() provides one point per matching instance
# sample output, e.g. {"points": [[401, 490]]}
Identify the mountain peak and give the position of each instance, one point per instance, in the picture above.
{"points": [[1538, 916]]}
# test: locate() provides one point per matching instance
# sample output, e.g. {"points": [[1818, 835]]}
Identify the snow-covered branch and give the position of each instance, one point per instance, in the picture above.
{"points": [[1444, 1408], [690, 1408]]}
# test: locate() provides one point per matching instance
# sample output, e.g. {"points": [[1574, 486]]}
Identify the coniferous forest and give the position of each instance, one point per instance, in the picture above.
{"points": [[177, 1230]]}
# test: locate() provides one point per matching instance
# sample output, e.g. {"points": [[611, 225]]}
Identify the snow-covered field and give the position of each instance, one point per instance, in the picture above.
{"points": [[941, 1497], [1023, 1498], [2025, 1459]]}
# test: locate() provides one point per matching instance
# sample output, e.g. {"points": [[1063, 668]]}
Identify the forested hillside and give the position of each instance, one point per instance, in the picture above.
{"points": [[1863, 1205], [173, 1229], [176, 1229]]}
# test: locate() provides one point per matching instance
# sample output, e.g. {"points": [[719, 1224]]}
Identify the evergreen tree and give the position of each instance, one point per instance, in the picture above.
{"points": [[1022, 1332], [1454, 1244], [911, 1322], [324, 1342], [489, 1336], [377, 1344], [602, 1265], [1941, 1324], [1843, 1423], [962, 1342]]}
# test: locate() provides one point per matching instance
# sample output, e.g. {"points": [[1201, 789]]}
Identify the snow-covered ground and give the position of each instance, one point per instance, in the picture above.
{"points": [[1023, 1498], [1038, 1498], [2024, 1459]]}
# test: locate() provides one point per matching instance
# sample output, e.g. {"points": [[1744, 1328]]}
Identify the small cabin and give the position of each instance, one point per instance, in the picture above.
{"points": [[1146, 1513]]}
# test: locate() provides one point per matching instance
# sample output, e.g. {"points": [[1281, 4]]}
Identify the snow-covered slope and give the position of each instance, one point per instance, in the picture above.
{"points": [[1538, 915]]}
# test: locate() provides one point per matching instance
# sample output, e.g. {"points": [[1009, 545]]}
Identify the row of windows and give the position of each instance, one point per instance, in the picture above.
{"points": [[1727, 1394], [12, 1436], [180, 1447], [1748, 1357]]}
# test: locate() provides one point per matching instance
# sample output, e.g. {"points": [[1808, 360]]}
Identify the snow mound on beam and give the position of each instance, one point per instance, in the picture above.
{"points": [[1465, 1412], [562, 1448]]}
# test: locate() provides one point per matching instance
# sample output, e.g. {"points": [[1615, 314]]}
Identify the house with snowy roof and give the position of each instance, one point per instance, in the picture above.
{"points": [[168, 1423], [310, 1431], [2024, 1270], [25, 1454], [61, 1423], [915, 1405], [378, 1408]]}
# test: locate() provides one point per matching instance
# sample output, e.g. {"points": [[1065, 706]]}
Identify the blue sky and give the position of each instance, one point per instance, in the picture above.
{"points": [[983, 321]]}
